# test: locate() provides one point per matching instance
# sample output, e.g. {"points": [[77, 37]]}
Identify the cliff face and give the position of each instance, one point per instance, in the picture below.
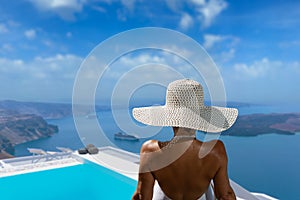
{"points": [[20, 128], [257, 124], [46, 110]]}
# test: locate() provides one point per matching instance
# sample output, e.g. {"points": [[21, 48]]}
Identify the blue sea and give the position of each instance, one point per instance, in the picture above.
{"points": [[267, 163]]}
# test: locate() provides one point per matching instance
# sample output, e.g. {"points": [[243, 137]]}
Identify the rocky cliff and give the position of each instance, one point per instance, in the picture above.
{"points": [[46, 110], [18, 128], [257, 124]]}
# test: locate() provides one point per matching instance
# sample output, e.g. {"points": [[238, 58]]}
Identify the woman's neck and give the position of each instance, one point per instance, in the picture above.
{"points": [[184, 132]]}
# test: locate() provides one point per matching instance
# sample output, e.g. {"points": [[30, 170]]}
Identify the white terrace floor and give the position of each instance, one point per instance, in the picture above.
{"points": [[121, 161]]}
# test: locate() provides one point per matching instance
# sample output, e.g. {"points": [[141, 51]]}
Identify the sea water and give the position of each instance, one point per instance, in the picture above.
{"points": [[266, 163]]}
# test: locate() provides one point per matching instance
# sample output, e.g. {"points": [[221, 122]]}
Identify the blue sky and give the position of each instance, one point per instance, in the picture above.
{"points": [[256, 44]]}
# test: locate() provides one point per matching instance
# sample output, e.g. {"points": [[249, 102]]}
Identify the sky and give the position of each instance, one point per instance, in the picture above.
{"points": [[254, 43]]}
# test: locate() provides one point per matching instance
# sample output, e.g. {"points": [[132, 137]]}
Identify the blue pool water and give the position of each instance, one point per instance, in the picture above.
{"points": [[86, 181]]}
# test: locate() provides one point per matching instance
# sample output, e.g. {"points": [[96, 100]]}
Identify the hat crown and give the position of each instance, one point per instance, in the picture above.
{"points": [[185, 93]]}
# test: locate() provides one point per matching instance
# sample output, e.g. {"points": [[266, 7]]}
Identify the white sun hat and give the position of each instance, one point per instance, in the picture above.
{"points": [[185, 108]]}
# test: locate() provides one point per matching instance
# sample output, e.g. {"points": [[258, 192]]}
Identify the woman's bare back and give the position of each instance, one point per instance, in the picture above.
{"points": [[186, 177], [189, 176]]}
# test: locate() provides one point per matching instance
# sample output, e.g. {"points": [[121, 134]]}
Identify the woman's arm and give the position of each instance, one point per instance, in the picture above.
{"points": [[145, 187], [222, 186], [146, 180]]}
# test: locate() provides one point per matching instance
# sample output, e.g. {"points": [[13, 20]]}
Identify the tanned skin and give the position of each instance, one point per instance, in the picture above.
{"points": [[188, 177]]}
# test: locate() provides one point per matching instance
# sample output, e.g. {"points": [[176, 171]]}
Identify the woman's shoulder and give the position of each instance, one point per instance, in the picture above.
{"points": [[212, 147], [149, 146], [217, 149]]}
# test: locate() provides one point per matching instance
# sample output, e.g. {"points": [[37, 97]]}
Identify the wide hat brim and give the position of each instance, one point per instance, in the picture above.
{"points": [[211, 119]]}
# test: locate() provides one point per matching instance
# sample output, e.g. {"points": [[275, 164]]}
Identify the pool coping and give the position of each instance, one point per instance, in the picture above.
{"points": [[123, 162]]}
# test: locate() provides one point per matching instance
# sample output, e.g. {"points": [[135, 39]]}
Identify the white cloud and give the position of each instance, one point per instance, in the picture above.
{"points": [[263, 81], [186, 21], [296, 66], [48, 43], [30, 34], [184, 52], [205, 11], [11, 66], [3, 28], [141, 59], [257, 69], [174, 5], [49, 78], [209, 10], [6, 48], [56, 4], [12, 23], [163, 58], [199, 2], [56, 65], [67, 9], [289, 44], [99, 9], [226, 56], [121, 15], [222, 47], [210, 40], [129, 4], [64, 8], [150, 61], [137, 77]]}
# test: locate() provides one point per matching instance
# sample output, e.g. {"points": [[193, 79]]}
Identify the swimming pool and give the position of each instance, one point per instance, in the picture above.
{"points": [[83, 181]]}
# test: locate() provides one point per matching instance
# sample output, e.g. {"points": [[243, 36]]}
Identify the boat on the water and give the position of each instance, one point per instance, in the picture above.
{"points": [[123, 136]]}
